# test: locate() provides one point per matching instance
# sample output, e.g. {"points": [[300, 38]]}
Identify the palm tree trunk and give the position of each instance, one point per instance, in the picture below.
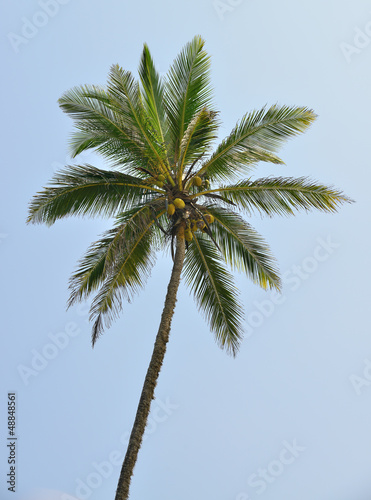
{"points": [[136, 437]]}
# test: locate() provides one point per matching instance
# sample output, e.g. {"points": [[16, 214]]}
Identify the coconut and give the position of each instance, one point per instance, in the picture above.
{"points": [[159, 184], [179, 203], [210, 218], [161, 177], [197, 181], [170, 209], [188, 235]]}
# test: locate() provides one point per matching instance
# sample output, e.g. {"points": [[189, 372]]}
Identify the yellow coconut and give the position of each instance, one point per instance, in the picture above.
{"points": [[194, 226], [210, 218], [159, 184], [188, 235], [197, 181], [170, 209], [161, 177], [179, 203]]}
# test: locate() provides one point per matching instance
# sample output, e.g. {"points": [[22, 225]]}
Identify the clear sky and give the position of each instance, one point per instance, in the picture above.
{"points": [[289, 418]]}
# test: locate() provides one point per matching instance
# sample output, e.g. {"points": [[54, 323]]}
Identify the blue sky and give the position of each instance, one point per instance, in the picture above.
{"points": [[289, 417]]}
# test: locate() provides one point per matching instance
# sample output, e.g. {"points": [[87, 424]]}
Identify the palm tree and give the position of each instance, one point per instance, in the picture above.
{"points": [[167, 189]]}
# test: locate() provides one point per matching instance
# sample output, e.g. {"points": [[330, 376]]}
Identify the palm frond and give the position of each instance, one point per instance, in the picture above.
{"points": [[197, 138], [91, 268], [128, 272], [86, 190], [153, 93], [243, 248], [112, 149], [99, 126], [124, 91], [282, 195], [256, 138], [187, 89], [214, 292], [98, 261]]}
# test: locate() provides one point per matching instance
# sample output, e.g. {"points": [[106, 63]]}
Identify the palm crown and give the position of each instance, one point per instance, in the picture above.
{"points": [[165, 183]]}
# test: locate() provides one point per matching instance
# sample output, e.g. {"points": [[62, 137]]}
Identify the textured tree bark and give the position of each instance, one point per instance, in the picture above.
{"points": [[140, 422]]}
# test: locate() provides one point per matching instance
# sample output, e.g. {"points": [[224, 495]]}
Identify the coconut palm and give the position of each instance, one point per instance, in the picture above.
{"points": [[167, 189]]}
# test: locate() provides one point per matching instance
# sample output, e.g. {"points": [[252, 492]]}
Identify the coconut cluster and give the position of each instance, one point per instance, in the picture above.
{"points": [[159, 180], [194, 225], [193, 220], [187, 216]]}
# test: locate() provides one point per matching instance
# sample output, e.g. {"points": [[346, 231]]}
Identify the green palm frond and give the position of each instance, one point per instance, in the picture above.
{"points": [[91, 268], [98, 261], [128, 271], [243, 248], [282, 195], [117, 153], [86, 190], [153, 93], [256, 138], [99, 126], [124, 92], [197, 138], [187, 90], [214, 291]]}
